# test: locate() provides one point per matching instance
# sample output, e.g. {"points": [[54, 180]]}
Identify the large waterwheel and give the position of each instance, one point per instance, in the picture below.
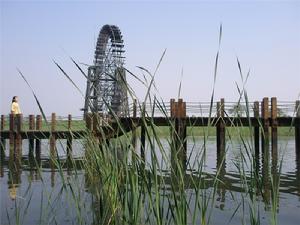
{"points": [[106, 91]]}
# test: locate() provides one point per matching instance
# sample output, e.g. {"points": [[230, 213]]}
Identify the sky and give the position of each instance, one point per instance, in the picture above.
{"points": [[263, 35]]}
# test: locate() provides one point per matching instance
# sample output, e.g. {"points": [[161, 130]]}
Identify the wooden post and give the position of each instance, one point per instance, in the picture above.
{"points": [[178, 133], [89, 121], [265, 124], [69, 138], [134, 134], [297, 129], [274, 126], [31, 140], [38, 126], [221, 126], [143, 135], [182, 142], [18, 142], [265, 147], [172, 107], [11, 137], [53, 136], [256, 128], [3, 141]]}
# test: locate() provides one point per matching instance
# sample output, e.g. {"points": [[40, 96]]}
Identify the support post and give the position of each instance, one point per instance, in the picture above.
{"points": [[3, 141], [265, 147], [89, 121], [256, 128], [178, 134], [53, 136], [18, 142], [31, 140], [221, 127], [38, 127], [274, 126], [265, 124], [143, 134], [69, 138], [134, 134], [11, 137]]}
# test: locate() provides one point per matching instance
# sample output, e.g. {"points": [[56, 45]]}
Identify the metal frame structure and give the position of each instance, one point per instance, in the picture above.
{"points": [[106, 91]]}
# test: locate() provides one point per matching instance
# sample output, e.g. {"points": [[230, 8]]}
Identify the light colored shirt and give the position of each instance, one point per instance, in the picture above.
{"points": [[15, 108]]}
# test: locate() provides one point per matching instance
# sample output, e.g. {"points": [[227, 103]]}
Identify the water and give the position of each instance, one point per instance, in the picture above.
{"points": [[46, 196]]}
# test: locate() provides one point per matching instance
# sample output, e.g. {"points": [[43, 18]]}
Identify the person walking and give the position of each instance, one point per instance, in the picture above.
{"points": [[15, 108]]}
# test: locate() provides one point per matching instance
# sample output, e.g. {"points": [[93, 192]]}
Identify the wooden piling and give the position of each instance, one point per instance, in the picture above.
{"points": [[143, 135], [53, 136], [31, 140], [69, 138], [134, 132], [38, 127], [181, 119], [265, 124], [274, 125], [11, 137], [256, 128], [18, 141], [89, 121], [2, 140], [221, 126], [297, 130], [179, 133]]}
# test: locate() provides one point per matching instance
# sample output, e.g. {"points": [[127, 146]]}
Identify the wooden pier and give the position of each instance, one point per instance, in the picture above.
{"points": [[264, 125]]}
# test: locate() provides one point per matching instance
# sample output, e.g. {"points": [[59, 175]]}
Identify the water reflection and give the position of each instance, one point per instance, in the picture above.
{"points": [[229, 181], [14, 177]]}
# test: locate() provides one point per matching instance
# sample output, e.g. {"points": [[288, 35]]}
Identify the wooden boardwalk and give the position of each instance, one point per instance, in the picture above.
{"points": [[264, 120]]}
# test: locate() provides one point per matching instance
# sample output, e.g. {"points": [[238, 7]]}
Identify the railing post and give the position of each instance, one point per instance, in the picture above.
{"points": [[38, 127], [3, 141], [221, 131]]}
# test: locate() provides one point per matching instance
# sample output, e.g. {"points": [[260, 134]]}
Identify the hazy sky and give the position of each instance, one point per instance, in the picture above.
{"points": [[265, 36]]}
